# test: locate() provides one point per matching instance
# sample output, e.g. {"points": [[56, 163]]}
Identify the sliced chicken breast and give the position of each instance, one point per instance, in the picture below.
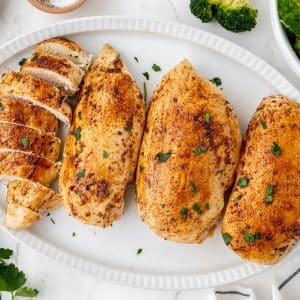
{"points": [[22, 138], [65, 48], [262, 219], [56, 70], [30, 89], [15, 165], [189, 153], [101, 151]]}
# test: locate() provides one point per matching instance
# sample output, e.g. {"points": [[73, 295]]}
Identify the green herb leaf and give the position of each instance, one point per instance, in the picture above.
{"points": [[206, 205], [22, 61], [79, 115], [105, 154], [238, 198], [241, 230], [141, 168], [52, 221], [74, 233], [136, 59], [250, 238], [156, 68], [243, 182], [11, 278], [25, 142], [26, 292], [217, 81], [163, 157], [1, 106], [197, 209], [145, 91], [269, 194], [128, 127], [193, 186], [147, 76], [263, 123], [184, 213], [227, 238], [80, 174], [77, 133], [139, 251], [5, 253], [207, 117], [276, 150], [200, 150], [219, 172]]}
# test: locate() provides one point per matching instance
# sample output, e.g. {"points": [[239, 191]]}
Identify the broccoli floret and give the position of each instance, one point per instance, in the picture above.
{"points": [[236, 15], [297, 46], [203, 9], [289, 13]]}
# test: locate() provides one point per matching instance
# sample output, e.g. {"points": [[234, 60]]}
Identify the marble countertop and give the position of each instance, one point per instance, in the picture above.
{"points": [[55, 281]]}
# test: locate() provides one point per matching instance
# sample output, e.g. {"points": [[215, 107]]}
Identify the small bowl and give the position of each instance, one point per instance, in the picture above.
{"points": [[282, 40], [56, 10]]}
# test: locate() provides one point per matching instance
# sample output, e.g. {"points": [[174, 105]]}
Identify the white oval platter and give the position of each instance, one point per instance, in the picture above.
{"points": [[110, 254]]}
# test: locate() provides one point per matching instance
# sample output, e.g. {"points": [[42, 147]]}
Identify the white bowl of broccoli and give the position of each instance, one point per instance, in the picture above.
{"points": [[285, 17]]}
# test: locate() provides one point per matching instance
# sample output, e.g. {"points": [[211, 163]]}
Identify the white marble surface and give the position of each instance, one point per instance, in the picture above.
{"points": [[55, 281]]}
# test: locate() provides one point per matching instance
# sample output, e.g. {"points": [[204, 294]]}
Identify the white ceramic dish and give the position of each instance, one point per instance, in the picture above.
{"points": [[284, 45], [110, 254]]}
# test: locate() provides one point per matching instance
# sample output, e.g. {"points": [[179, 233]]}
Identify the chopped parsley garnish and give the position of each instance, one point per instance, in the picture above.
{"points": [[276, 150], [74, 233], [217, 81], [206, 205], [80, 115], [227, 238], [105, 154], [163, 157], [238, 198], [25, 142], [79, 194], [77, 133], [53, 222], [136, 59], [1, 106], [22, 61], [128, 127], [5, 253], [80, 174], [200, 150], [193, 187], [263, 123], [139, 251], [197, 209], [142, 168], [243, 182], [207, 117], [146, 74], [219, 172], [156, 68], [145, 91], [269, 194], [241, 230], [184, 213], [48, 214], [250, 238]]}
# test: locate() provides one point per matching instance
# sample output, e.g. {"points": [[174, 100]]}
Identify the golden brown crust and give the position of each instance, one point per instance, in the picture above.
{"points": [[181, 199], [22, 113], [27, 166], [22, 86], [16, 137], [277, 223], [110, 115]]}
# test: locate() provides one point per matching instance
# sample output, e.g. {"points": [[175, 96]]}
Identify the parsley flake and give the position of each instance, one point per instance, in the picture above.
{"points": [[25, 142], [243, 181], [80, 174], [207, 117], [206, 205], [250, 238], [53, 222], [74, 233], [105, 154], [197, 209], [136, 59], [1, 106], [145, 91], [147, 76], [193, 187], [139, 251], [22, 61], [217, 81], [79, 115], [156, 68], [263, 123], [163, 157], [77, 133], [238, 198], [128, 127], [269, 194], [184, 213], [227, 238], [276, 150], [200, 150]]}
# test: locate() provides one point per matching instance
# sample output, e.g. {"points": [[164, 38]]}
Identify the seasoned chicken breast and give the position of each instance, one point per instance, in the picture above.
{"points": [[21, 113], [19, 165], [65, 48], [22, 138], [188, 156], [262, 219], [57, 70], [30, 89], [101, 151]]}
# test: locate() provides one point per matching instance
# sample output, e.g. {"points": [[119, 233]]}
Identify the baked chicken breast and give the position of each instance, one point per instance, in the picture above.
{"points": [[101, 150], [188, 156], [262, 219]]}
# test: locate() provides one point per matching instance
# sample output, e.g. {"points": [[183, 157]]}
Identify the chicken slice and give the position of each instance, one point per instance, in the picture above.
{"points": [[101, 151], [56, 70], [188, 156], [15, 165], [30, 89], [262, 219], [63, 47], [22, 138], [21, 113]]}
